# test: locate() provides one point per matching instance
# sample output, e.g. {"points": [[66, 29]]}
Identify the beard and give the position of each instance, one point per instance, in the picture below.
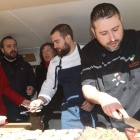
{"points": [[65, 50], [10, 56], [116, 48], [117, 41]]}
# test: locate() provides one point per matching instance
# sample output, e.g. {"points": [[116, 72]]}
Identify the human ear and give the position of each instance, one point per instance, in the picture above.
{"points": [[68, 38], [93, 31], [2, 50]]}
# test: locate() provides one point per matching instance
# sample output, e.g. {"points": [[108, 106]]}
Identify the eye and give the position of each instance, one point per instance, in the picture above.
{"points": [[104, 33], [115, 30], [57, 41], [8, 46]]}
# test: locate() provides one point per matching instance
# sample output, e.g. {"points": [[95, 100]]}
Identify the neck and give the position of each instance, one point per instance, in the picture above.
{"points": [[73, 46], [9, 59]]}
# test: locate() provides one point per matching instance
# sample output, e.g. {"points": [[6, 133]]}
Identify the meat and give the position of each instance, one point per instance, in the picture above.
{"points": [[132, 134]]}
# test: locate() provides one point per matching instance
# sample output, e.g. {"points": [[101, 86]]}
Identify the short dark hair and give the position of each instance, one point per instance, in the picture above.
{"points": [[42, 47], [7, 37], [103, 10], [63, 29]]}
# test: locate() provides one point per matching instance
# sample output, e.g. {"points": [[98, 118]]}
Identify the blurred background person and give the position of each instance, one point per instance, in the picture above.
{"points": [[47, 52], [6, 90], [20, 76]]}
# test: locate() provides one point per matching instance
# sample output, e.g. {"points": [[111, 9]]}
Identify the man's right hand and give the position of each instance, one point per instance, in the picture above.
{"points": [[34, 105], [111, 106]]}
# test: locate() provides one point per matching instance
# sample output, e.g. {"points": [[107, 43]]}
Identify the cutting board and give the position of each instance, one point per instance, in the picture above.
{"points": [[16, 126]]}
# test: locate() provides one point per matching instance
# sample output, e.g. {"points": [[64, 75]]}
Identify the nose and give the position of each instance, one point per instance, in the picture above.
{"points": [[45, 52], [13, 48], [55, 46], [112, 38]]}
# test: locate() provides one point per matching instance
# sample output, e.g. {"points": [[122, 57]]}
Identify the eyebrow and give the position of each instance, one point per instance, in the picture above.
{"points": [[116, 27], [111, 29], [56, 40], [11, 44]]}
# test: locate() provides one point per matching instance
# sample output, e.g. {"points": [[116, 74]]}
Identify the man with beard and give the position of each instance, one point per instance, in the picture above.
{"points": [[111, 68], [65, 69], [20, 75]]}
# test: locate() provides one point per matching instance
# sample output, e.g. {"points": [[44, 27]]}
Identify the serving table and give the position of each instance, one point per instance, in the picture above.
{"points": [[16, 126]]}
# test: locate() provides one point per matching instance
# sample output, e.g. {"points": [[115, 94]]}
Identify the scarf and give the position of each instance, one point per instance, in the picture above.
{"points": [[46, 63]]}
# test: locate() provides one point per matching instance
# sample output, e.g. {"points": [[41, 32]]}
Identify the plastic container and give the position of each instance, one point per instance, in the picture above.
{"points": [[2, 119]]}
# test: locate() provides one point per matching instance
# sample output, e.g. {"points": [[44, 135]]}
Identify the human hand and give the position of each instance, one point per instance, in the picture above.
{"points": [[87, 106], [26, 103], [40, 120], [34, 105], [29, 90], [112, 107]]}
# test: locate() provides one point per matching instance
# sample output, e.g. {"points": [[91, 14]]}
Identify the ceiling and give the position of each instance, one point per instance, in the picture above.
{"points": [[31, 21]]}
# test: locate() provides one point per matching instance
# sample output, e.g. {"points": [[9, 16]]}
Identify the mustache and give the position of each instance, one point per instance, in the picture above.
{"points": [[117, 40], [13, 52]]}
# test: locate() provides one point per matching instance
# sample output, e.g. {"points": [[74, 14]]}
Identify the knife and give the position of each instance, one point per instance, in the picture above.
{"points": [[132, 122], [38, 108]]}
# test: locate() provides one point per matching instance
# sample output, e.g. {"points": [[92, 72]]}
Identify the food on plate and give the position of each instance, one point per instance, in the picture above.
{"points": [[65, 134], [132, 134], [102, 134]]}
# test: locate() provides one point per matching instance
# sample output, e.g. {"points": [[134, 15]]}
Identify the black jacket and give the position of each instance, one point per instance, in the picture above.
{"points": [[20, 75]]}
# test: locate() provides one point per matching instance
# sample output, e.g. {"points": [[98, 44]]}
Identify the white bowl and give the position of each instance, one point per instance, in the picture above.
{"points": [[2, 119]]}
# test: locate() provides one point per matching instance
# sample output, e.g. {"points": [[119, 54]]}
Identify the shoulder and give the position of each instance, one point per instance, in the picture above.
{"points": [[131, 34], [40, 68], [26, 64], [55, 60], [92, 46], [81, 46], [22, 62], [1, 70]]}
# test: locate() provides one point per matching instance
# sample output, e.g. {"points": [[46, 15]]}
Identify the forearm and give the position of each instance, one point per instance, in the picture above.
{"points": [[42, 100], [91, 93], [109, 104]]}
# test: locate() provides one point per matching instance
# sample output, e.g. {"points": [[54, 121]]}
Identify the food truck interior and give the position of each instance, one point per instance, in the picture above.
{"points": [[31, 21]]}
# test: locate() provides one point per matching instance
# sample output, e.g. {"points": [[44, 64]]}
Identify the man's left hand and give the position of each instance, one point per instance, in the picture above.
{"points": [[29, 90], [87, 106]]}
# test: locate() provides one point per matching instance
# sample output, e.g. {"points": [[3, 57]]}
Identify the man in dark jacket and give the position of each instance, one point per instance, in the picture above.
{"points": [[111, 68], [20, 75]]}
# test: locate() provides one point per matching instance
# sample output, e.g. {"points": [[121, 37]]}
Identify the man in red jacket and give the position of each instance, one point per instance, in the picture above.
{"points": [[5, 89]]}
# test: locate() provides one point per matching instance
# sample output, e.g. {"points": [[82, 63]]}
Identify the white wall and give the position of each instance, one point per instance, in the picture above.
{"points": [[33, 50]]}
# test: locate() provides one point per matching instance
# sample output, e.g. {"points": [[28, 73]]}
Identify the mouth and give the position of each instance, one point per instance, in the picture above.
{"points": [[58, 50], [13, 53], [47, 57], [113, 44]]}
